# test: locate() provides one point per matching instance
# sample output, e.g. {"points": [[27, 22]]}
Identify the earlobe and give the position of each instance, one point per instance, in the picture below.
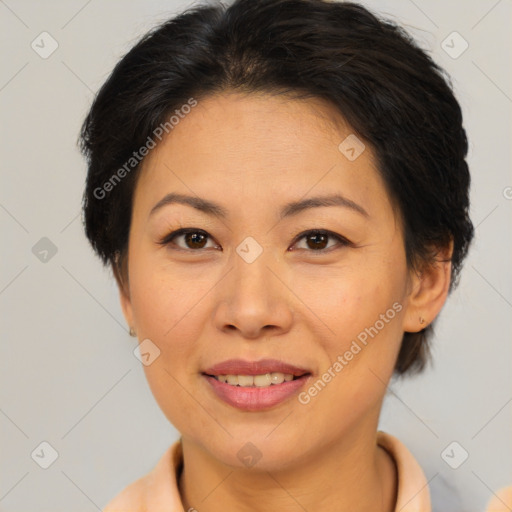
{"points": [[429, 291]]}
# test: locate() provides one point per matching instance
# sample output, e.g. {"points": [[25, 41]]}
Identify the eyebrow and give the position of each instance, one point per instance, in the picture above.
{"points": [[288, 210]]}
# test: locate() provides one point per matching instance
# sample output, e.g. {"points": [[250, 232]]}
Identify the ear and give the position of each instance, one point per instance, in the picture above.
{"points": [[428, 291], [121, 275]]}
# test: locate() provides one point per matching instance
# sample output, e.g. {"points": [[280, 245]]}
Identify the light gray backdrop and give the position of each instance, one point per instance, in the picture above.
{"points": [[68, 373]]}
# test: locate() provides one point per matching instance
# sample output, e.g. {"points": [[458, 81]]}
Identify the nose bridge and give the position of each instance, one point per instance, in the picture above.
{"points": [[253, 297], [251, 273]]}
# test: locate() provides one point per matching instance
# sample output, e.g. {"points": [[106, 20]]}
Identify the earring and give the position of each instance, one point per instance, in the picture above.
{"points": [[422, 320], [132, 332]]}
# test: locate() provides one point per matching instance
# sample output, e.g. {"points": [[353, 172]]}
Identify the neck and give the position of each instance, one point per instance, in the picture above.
{"points": [[351, 474]]}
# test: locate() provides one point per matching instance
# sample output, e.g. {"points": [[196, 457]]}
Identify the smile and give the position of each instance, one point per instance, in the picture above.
{"points": [[255, 385], [260, 381]]}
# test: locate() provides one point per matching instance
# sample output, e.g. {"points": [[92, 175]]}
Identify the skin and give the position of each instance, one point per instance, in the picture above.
{"points": [[251, 154]]}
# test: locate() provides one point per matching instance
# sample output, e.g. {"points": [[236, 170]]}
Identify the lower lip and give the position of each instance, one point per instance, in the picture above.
{"points": [[254, 398]]}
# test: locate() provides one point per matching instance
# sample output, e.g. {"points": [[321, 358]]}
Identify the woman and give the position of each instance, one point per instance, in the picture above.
{"points": [[281, 190]]}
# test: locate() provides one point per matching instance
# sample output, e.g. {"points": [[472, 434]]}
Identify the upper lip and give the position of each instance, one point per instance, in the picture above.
{"points": [[244, 367]]}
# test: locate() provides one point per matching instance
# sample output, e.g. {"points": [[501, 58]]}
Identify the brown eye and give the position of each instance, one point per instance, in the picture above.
{"points": [[197, 239], [193, 239], [318, 240]]}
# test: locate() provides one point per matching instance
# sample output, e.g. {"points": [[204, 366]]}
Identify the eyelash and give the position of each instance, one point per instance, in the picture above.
{"points": [[342, 242]]}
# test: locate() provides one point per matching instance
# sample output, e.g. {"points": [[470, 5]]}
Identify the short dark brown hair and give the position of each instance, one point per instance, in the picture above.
{"points": [[389, 90]]}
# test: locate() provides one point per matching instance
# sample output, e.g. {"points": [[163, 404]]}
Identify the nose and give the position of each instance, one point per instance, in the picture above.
{"points": [[254, 299]]}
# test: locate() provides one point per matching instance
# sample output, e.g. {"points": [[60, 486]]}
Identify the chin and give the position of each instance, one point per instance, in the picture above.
{"points": [[258, 451]]}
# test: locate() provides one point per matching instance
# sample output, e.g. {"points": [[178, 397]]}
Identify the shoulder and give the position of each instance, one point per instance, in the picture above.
{"points": [[156, 490], [413, 490], [501, 501], [404, 459], [131, 499]]}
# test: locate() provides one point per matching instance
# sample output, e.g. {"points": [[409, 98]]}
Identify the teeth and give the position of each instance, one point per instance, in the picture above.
{"points": [[232, 379], [278, 378], [259, 381], [244, 380]]}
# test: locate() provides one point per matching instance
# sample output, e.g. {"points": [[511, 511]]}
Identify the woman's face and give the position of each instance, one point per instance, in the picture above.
{"points": [[248, 282]]}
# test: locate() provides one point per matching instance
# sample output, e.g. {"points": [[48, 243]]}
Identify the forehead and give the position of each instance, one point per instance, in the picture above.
{"points": [[271, 124], [259, 147]]}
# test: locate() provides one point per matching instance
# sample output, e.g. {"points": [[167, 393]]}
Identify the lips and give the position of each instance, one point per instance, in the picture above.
{"points": [[255, 398], [243, 367]]}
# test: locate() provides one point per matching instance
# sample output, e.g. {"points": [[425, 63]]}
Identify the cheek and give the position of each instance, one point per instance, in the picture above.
{"points": [[166, 312], [362, 308], [165, 303], [347, 301], [358, 359]]}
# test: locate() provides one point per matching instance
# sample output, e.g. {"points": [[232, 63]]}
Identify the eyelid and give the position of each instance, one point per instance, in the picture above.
{"points": [[342, 241], [168, 239]]}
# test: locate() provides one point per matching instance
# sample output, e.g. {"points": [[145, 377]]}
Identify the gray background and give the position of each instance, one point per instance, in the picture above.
{"points": [[68, 373]]}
